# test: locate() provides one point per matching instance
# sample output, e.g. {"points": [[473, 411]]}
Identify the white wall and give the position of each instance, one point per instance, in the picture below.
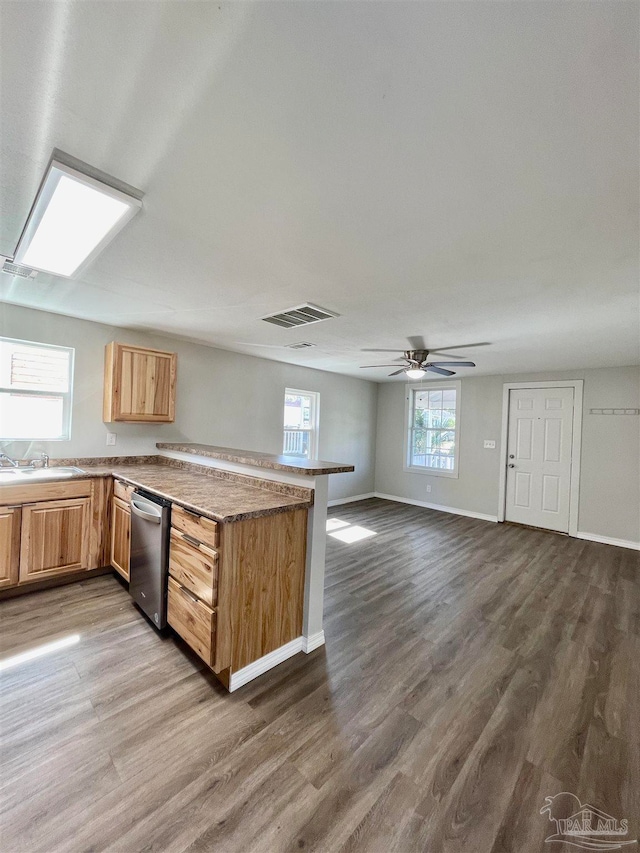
{"points": [[222, 398], [235, 400], [610, 467]]}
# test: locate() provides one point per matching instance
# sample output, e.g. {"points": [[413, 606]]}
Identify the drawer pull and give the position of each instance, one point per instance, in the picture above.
{"points": [[210, 552], [190, 512], [188, 594]]}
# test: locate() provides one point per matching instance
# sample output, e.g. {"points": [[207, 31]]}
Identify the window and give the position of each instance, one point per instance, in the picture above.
{"points": [[432, 429], [301, 411], [35, 391]]}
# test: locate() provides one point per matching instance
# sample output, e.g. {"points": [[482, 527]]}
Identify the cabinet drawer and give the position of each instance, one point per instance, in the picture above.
{"points": [[193, 620], [194, 567], [196, 526], [122, 491]]}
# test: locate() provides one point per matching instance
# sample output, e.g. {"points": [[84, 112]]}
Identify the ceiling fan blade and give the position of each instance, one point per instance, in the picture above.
{"points": [[397, 349], [396, 372], [453, 363], [443, 350], [364, 366], [416, 342], [440, 370]]}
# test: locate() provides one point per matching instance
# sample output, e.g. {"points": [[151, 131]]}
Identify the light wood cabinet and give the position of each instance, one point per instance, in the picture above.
{"points": [[237, 601], [10, 517], [55, 538], [52, 529], [139, 384], [120, 536]]}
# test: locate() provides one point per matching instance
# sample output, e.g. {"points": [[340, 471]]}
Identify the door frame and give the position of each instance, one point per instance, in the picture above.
{"points": [[576, 441]]}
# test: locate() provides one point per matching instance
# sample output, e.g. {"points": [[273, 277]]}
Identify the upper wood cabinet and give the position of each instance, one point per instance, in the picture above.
{"points": [[139, 384]]}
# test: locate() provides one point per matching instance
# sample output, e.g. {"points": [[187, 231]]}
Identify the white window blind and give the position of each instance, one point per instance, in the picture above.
{"points": [[35, 391]]}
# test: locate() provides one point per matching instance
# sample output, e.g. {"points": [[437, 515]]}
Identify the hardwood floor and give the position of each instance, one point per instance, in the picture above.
{"points": [[471, 669]]}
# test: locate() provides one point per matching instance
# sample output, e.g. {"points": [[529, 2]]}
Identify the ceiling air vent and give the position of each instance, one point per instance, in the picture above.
{"points": [[301, 345], [16, 269], [301, 315]]}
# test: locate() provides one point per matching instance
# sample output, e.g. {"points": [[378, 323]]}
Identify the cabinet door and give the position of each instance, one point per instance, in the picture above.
{"points": [[55, 538], [9, 545], [139, 384], [120, 537]]}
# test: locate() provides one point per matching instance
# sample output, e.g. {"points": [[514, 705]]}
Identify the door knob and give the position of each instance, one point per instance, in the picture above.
{"points": [[511, 456], [511, 465]]}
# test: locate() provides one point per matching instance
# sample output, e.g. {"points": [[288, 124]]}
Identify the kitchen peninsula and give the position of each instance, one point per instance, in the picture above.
{"points": [[289, 471], [246, 553]]}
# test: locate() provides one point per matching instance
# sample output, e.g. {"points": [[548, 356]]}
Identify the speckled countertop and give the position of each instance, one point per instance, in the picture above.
{"points": [[292, 464], [219, 499], [216, 497]]}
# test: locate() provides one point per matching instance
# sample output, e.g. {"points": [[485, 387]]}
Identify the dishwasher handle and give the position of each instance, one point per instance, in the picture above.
{"points": [[155, 516]]}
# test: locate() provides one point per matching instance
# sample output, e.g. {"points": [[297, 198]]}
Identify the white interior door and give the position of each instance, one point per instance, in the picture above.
{"points": [[539, 457]]}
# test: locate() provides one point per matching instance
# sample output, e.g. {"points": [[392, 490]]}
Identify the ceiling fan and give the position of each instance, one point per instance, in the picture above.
{"points": [[417, 359]]}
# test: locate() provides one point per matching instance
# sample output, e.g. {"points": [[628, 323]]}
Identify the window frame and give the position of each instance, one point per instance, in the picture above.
{"points": [[67, 396], [416, 387], [314, 430]]}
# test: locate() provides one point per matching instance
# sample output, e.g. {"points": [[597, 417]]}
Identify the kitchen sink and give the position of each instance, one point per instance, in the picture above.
{"points": [[28, 472]]}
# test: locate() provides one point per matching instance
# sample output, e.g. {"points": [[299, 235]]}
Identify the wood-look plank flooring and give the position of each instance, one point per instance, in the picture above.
{"points": [[470, 670]]}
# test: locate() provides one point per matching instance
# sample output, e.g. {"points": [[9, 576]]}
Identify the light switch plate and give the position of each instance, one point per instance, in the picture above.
{"points": [[111, 438], [489, 445]]}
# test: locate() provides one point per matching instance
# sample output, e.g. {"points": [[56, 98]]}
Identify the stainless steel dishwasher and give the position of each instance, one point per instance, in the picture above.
{"points": [[150, 519]]}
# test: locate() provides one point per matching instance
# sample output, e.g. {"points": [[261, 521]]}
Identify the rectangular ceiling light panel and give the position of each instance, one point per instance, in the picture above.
{"points": [[73, 218]]}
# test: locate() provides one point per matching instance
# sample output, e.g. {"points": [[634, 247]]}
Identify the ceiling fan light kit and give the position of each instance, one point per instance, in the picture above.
{"points": [[417, 361]]}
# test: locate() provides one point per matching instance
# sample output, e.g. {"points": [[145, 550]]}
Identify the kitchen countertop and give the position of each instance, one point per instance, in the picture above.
{"points": [[291, 464], [217, 498]]}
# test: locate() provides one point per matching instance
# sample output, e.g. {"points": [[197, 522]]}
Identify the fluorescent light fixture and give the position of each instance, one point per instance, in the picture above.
{"points": [[39, 651], [353, 533], [75, 215], [415, 372]]}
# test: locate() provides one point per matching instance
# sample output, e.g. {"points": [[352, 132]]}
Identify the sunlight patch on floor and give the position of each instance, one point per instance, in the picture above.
{"points": [[39, 651], [352, 533]]}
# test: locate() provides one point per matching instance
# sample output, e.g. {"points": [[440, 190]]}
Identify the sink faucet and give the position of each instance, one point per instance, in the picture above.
{"points": [[45, 460], [10, 460]]}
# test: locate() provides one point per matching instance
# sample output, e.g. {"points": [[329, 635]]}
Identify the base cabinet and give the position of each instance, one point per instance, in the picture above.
{"points": [[55, 538], [236, 590], [53, 529], [10, 517], [120, 536]]}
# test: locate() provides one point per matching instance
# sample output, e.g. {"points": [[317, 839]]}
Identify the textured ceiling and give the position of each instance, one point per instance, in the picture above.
{"points": [[462, 171]]}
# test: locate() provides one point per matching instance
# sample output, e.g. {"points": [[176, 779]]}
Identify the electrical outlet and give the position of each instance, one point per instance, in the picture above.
{"points": [[489, 445], [111, 438], [428, 487]]}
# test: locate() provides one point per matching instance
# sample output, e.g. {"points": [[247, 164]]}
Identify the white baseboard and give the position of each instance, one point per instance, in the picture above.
{"points": [[352, 499], [438, 507], [263, 664], [607, 540], [313, 642]]}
